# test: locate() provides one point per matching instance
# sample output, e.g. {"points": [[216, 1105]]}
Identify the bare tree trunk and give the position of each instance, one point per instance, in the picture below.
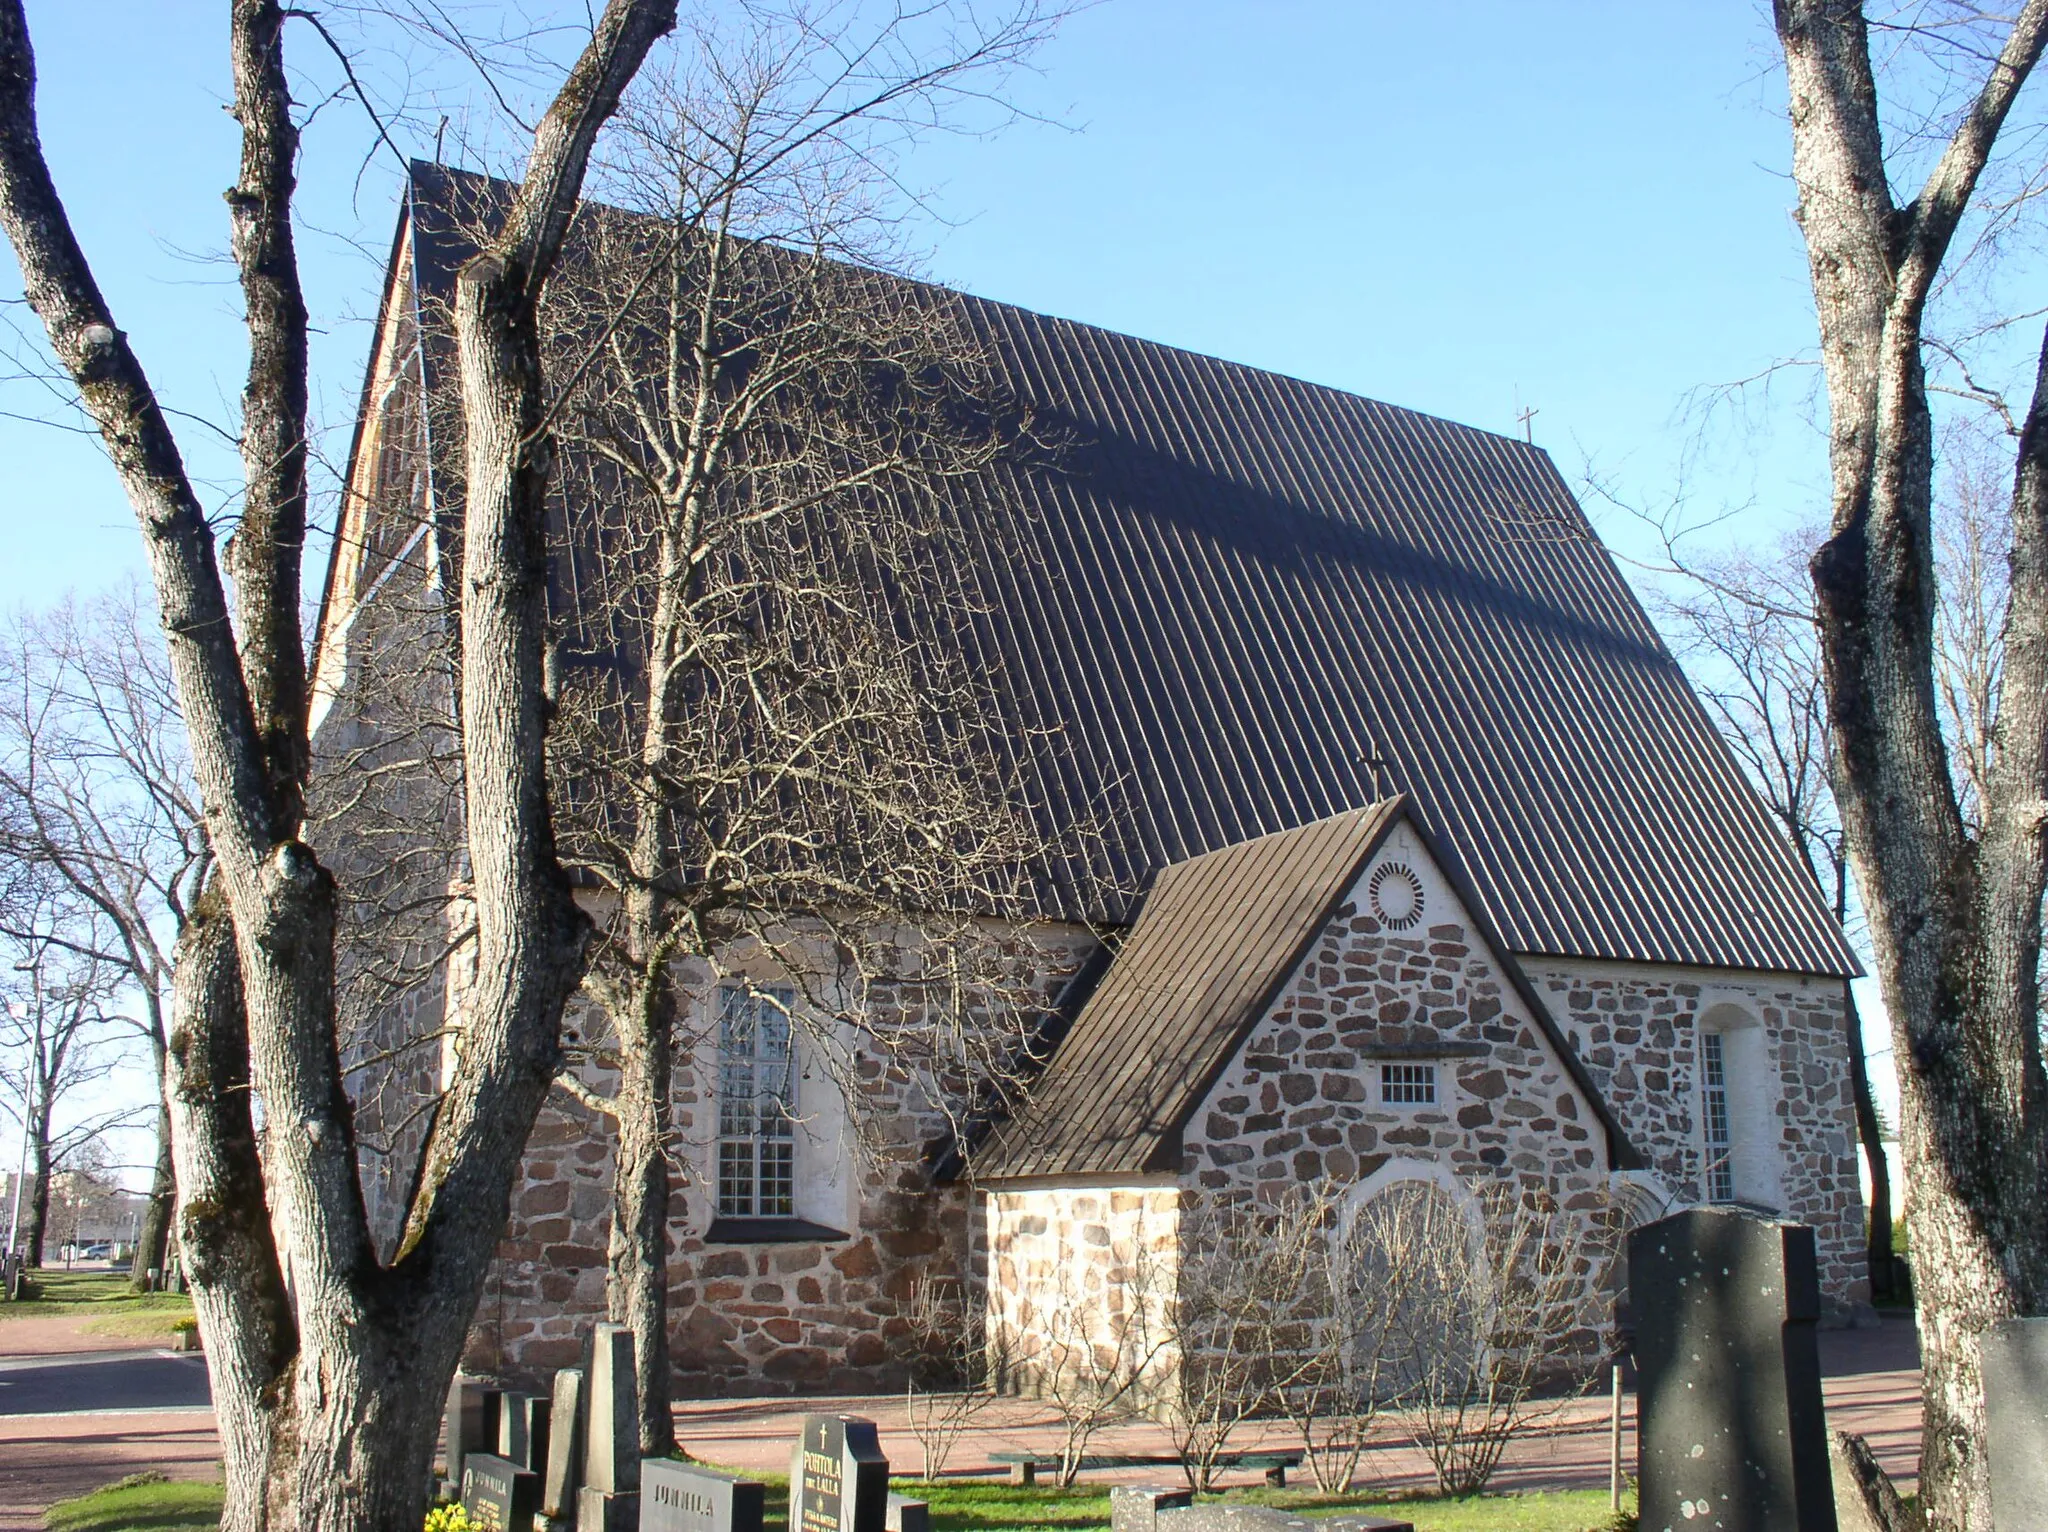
{"points": [[225, 1236], [333, 1422], [1956, 924], [37, 1229], [153, 1238], [637, 1289], [153, 1235]]}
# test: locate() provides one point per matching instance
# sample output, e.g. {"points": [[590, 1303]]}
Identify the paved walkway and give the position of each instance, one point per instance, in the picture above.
{"points": [[1872, 1383]]}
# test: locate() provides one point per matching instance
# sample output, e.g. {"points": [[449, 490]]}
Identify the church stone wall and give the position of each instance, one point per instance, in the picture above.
{"points": [[1302, 1102], [819, 1313], [1636, 1027], [1080, 1283]]}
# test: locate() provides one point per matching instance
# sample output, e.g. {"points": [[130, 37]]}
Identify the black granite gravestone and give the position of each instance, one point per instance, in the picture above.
{"points": [[497, 1494], [1732, 1434], [681, 1497], [839, 1481], [2015, 1362], [523, 1430]]}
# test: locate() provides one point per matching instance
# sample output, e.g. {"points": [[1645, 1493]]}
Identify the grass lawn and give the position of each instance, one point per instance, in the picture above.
{"points": [[100, 1296], [150, 1503], [143, 1503], [978, 1506]]}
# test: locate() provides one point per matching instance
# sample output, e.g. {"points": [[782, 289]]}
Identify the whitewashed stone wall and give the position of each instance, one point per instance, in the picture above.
{"points": [[1080, 1283], [1302, 1101], [1637, 1028]]}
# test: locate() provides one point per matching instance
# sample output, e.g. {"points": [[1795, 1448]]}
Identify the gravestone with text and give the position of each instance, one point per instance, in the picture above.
{"points": [[497, 1494], [1731, 1433], [471, 1425], [2015, 1362], [564, 1471], [608, 1500], [683, 1497], [839, 1480]]}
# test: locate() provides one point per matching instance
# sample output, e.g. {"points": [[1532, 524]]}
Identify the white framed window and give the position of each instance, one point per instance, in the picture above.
{"points": [[1407, 1084], [756, 1103], [1718, 1128]]}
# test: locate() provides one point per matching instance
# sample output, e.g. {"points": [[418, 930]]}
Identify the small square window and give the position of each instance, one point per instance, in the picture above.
{"points": [[1408, 1084]]}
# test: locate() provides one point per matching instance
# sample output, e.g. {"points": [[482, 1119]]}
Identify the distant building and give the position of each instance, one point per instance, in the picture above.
{"points": [[1439, 872]]}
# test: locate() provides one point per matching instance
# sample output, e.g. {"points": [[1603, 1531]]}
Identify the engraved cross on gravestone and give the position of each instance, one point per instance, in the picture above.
{"points": [[838, 1480]]}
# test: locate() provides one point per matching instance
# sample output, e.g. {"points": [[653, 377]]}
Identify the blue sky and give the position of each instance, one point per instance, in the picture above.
{"points": [[1579, 208]]}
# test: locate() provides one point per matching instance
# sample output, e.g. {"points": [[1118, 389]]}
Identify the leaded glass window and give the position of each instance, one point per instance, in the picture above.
{"points": [[1714, 1103], [756, 1103]]}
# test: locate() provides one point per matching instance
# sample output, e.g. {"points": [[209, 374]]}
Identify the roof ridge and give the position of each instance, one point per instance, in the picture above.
{"points": [[930, 285]]}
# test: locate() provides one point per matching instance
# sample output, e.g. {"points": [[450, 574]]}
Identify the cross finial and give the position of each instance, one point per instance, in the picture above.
{"points": [[1525, 415]]}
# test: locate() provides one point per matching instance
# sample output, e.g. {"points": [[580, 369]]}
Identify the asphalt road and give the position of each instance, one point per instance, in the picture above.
{"points": [[103, 1380]]}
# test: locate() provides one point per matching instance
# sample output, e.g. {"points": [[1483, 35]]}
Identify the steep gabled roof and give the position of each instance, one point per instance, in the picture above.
{"points": [[1217, 940], [1247, 603]]}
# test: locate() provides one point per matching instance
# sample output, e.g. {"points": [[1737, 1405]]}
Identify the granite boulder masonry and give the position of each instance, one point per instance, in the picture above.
{"points": [[1731, 1432], [1517, 921], [1145, 1508]]}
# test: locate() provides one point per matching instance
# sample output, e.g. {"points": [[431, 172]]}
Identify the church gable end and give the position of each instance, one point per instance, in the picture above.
{"points": [[1403, 1034]]}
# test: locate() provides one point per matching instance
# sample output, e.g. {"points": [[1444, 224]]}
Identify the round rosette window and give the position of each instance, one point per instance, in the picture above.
{"points": [[1396, 895]]}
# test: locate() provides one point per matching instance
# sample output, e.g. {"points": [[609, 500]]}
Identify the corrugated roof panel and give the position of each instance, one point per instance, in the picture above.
{"points": [[1236, 586]]}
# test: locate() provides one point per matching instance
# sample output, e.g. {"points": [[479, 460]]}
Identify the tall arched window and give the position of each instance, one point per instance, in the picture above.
{"points": [[1740, 1159]]}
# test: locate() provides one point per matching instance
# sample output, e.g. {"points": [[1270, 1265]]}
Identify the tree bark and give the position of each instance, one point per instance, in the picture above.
{"points": [[637, 1289], [36, 1231], [1955, 924], [330, 1385], [153, 1237], [225, 1235]]}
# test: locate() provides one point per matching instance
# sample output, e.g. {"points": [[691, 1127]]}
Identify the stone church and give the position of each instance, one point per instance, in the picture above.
{"points": [[1435, 871]]}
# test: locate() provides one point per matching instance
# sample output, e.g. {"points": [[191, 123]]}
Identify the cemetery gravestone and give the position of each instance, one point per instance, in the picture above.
{"points": [[471, 1425], [2015, 1362], [681, 1497], [523, 1430], [1147, 1508], [1731, 1428], [839, 1480], [565, 1438], [907, 1515], [497, 1494], [608, 1500]]}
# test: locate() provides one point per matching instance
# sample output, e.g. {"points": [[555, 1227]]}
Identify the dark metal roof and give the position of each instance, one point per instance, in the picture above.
{"points": [[1217, 939], [1246, 603]]}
